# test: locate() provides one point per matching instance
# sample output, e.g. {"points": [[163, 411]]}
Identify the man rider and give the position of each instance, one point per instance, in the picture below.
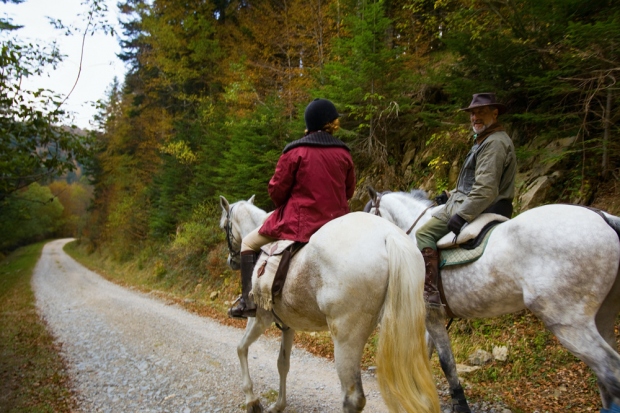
{"points": [[485, 184]]}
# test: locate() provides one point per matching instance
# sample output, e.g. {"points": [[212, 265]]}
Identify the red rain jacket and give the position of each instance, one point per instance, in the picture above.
{"points": [[311, 186]]}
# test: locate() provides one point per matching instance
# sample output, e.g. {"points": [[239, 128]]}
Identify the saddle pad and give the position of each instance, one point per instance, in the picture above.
{"points": [[469, 232], [265, 271], [456, 256]]}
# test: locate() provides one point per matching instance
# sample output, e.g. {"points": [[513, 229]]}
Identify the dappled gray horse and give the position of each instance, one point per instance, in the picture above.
{"points": [[559, 261], [355, 272]]}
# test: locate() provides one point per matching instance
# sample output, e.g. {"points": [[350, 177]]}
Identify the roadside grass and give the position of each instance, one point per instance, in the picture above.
{"points": [[33, 376], [539, 374]]}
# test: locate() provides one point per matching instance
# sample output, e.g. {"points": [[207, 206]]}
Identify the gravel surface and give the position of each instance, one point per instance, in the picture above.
{"points": [[131, 352]]}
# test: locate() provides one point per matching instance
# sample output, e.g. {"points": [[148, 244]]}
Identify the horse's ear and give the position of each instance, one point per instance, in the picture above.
{"points": [[251, 200], [224, 203], [372, 192]]}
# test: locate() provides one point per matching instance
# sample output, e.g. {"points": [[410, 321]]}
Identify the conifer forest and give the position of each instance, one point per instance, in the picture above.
{"points": [[216, 88]]}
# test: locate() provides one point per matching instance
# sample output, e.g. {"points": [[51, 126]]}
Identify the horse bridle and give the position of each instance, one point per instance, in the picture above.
{"points": [[230, 237], [378, 213]]}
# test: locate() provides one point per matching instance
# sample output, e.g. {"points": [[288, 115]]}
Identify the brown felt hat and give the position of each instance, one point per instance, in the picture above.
{"points": [[485, 99]]}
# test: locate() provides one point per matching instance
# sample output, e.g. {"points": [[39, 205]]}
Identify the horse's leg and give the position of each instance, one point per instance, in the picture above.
{"points": [[605, 322], [435, 326], [349, 337], [255, 328], [430, 345], [284, 362], [582, 338]]}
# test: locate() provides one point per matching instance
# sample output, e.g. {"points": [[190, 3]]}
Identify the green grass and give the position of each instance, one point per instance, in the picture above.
{"points": [[32, 374]]}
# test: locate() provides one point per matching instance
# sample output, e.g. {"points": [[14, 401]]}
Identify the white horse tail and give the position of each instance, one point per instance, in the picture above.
{"points": [[403, 368]]}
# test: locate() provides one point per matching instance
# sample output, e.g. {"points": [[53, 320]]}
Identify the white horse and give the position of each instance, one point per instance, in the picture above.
{"points": [[559, 261], [354, 273]]}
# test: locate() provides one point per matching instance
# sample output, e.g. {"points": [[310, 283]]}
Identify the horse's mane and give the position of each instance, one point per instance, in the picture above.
{"points": [[420, 195], [417, 195]]}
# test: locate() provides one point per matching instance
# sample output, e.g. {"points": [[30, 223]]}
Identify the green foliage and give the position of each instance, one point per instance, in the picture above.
{"points": [[33, 147], [200, 234], [364, 77], [217, 89], [29, 215], [254, 146]]}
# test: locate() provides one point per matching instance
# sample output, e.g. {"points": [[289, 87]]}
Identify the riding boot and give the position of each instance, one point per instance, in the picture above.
{"points": [[431, 262], [245, 307]]}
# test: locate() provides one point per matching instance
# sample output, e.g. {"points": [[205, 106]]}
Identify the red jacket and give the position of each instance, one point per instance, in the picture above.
{"points": [[311, 186]]}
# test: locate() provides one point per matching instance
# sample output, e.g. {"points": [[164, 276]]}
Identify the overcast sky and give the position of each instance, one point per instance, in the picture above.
{"points": [[99, 65]]}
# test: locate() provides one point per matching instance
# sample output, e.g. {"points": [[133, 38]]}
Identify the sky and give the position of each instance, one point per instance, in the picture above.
{"points": [[99, 66]]}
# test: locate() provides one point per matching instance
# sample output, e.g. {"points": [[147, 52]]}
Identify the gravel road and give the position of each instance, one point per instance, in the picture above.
{"points": [[131, 352]]}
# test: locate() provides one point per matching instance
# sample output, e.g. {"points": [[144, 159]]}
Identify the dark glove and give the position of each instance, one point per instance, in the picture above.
{"points": [[456, 224], [442, 198]]}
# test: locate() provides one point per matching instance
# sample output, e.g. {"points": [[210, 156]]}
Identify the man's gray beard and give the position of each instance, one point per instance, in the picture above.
{"points": [[484, 127]]}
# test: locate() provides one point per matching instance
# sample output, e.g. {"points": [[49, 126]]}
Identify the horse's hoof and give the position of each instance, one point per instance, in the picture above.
{"points": [[613, 409], [460, 409], [275, 409], [254, 407]]}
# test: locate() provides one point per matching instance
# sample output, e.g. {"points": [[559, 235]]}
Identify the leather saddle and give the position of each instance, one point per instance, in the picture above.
{"points": [[271, 270]]}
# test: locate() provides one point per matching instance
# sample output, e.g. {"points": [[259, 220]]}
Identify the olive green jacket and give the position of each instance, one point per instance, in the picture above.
{"points": [[487, 177]]}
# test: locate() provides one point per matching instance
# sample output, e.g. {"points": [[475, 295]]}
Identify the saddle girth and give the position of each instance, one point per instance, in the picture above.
{"points": [[282, 271]]}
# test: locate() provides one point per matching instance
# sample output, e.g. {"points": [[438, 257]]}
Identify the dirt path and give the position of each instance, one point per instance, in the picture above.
{"points": [[130, 352]]}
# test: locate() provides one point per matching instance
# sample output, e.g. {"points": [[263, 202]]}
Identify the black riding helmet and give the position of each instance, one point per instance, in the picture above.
{"points": [[319, 113]]}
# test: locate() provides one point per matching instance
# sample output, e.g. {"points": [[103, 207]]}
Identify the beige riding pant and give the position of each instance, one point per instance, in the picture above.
{"points": [[253, 241]]}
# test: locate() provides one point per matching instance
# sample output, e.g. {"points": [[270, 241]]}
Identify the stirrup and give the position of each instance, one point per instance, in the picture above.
{"points": [[240, 310], [433, 299]]}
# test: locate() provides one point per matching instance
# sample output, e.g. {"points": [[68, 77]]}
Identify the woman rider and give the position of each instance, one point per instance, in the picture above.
{"points": [[312, 183]]}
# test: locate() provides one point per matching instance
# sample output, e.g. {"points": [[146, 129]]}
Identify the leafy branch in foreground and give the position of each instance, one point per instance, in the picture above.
{"points": [[34, 146]]}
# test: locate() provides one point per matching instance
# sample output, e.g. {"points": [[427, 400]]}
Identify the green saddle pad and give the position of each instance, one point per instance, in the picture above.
{"points": [[456, 256]]}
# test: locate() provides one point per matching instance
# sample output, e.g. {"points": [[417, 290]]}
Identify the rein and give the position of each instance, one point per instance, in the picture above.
{"points": [[421, 215], [377, 205]]}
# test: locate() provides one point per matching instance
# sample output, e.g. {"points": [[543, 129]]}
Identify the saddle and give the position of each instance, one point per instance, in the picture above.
{"points": [[467, 247], [270, 272], [473, 234]]}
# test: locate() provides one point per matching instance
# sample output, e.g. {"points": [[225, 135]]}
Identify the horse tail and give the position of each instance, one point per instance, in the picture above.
{"points": [[403, 368], [613, 221]]}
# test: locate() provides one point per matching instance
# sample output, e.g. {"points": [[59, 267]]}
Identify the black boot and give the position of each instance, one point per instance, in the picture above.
{"points": [[431, 262], [245, 307]]}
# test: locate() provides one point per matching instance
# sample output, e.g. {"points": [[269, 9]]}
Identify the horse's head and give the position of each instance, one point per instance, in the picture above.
{"points": [[400, 208], [230, 222], [374, 205]]}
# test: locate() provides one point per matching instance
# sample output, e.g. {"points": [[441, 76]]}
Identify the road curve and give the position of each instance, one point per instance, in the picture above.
{"points": [[130, 352]]}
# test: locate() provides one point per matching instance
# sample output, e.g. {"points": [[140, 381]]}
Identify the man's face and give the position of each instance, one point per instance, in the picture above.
{"points": [[482, 117]]}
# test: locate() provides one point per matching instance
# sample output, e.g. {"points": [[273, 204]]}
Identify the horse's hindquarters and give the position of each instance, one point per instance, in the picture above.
{"points": [[342, 271], [548, 259]]}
